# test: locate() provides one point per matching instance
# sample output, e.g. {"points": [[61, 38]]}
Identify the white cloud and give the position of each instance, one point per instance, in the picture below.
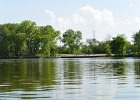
{"points": [[51, 15], [137, 20], [89, 19], [131, 5]]}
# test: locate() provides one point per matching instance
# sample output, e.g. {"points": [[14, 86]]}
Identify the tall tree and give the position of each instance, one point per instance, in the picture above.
{"points": [[48, 36], [72, 40], [30, 29]]}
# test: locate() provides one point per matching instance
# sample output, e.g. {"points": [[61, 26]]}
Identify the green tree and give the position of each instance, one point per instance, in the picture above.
{"points": [[118, 45], [136, 38], [72, 41], [30, 29], [92, 45], [48, 36], [84, 49], [7, 38]]}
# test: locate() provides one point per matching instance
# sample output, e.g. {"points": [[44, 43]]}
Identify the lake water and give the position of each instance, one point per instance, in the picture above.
{"points": [[70, 79]]}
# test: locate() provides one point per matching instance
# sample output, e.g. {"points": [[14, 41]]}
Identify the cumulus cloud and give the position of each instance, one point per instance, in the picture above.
{"points": [[89, 19]]}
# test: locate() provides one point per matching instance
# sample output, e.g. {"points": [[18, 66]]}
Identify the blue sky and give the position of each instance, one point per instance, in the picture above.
{"points": [[102, 17]]}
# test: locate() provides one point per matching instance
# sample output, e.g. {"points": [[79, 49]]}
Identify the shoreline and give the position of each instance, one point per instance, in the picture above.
{"points": [[68, 56]]}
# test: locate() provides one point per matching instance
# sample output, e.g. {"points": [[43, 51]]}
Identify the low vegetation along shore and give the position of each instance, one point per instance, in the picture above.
{"points": [[27, 40]]}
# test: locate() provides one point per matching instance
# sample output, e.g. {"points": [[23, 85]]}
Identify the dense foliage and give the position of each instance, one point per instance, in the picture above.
{"points": [[72, 41], [118, 45], [28, 39]]}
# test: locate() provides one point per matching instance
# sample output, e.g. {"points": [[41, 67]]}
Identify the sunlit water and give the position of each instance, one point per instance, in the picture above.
{"points": [[70, 79]]}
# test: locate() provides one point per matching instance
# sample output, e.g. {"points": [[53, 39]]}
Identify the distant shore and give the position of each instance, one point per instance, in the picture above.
{"points": [[82, 55], [68, 56], [95, 55]]}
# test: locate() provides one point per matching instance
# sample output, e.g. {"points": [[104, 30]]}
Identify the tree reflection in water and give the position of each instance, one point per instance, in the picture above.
{"points": [[119, 68], [26, 74], [137, 72]]}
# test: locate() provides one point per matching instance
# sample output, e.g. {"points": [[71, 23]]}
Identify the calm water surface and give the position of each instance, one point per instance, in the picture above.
{"points": [[70, 79]]}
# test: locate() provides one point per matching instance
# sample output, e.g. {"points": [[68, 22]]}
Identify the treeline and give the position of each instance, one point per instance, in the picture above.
{"points": [[28, 39]]}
